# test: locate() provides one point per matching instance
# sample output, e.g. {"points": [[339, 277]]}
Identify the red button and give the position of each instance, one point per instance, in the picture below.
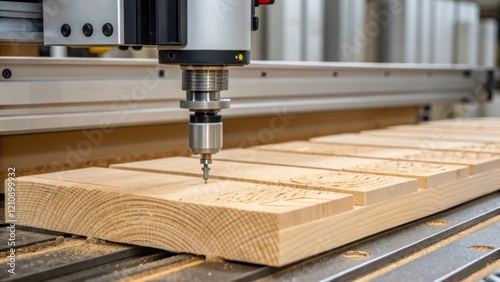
{"points": [[266, 2]]}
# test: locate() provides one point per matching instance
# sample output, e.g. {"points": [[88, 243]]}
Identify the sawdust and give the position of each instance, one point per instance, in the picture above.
{"points": [[42, 248], [485, 271], [356, 254], [427, 250], [482, 248], [75, 248], [157, 273], [214, 259], [437, 223]]}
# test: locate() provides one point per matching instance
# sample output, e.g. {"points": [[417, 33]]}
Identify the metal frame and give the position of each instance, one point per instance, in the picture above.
{"points": [[21, 22], [48, 94]]}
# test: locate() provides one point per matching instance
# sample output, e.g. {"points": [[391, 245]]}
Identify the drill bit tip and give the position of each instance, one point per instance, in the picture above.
{"points": [[206, 172], [205, 161]]}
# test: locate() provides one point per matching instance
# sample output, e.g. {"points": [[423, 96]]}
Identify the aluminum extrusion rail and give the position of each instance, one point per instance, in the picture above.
{"points": [[48, 94]]}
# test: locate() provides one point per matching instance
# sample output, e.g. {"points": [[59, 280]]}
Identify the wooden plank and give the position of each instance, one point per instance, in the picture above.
{"points": [[328, 233], [433, 135], [463, 126], [428, 174], [475, 121], [56, 151], [233, 220], [409, 143], [440, 129], [477, 162], [88, 200], [366, 189], [488, 124]]}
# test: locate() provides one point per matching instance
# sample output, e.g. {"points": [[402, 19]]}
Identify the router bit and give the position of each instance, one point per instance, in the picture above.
{"points": [[206, 160]]}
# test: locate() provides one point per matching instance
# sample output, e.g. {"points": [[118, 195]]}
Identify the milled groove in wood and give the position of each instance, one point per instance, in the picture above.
{"points": [[365, 188], [477, 162], [428, 174], [409, 143]]}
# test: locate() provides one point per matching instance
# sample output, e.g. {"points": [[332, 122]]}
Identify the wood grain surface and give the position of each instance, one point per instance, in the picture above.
{"points": [[314, 237], [366, 189], [477, 162], [410, 143], [273, 204], [428, 174], [172, 212], [435, 135]]}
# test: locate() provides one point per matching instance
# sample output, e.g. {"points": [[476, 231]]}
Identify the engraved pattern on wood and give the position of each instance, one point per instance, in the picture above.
{"points": [[483, 130], [363, 140], [433, 135], [336, 149], [477, 162], [463, 127], [427, 174], [467, 121], [366, 189], [470, 125], [234, 220], [493, 148], [255, 223]]}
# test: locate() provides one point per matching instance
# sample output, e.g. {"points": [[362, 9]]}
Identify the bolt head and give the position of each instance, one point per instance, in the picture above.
{"points": [[107, 29], [66, 30], [88, 29], [6, 73]]}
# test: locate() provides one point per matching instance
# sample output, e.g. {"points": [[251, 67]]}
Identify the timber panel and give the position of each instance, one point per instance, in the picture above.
{"points": [[267, 205], [366, 188], [428, 174], [477, 162]]}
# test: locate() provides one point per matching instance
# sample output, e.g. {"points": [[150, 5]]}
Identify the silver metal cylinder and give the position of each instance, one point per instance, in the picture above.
{"points": [[205, 138], [203, 78], [203, 85]]}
